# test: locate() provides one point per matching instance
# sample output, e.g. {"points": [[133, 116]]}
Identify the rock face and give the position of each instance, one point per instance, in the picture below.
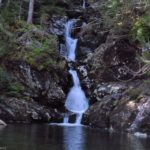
{"points": [[42, 99], [114, 60], [23, 111], [45, 87], [57, 24], [121, 106], [117, 101]]}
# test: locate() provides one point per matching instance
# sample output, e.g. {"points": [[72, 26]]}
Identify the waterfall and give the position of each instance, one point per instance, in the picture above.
{"points": [[79, 118], [84, 4], [66, 120], [76, 100], [75, 78], [70, 42]]}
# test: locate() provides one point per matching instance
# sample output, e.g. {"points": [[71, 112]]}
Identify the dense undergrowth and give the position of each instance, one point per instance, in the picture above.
{"points": [[129, 19], [26, 42]]}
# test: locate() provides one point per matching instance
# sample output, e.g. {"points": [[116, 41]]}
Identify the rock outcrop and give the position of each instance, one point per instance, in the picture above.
{"points": [[17, 110], [45, 87]]}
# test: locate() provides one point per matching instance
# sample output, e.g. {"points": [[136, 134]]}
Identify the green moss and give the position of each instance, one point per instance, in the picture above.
{"points": [[49, 9], [9, 85], [16, 89], [134, 93], [141, 28], [124, 17], [39, 48], [146, 55], [5, 79]]}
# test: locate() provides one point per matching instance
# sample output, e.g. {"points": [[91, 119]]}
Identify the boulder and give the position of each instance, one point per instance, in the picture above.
{"points": [[113, 60], [57, 24]]}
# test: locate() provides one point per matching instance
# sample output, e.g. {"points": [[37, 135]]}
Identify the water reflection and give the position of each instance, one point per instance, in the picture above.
{"points": [[74, 138], [44, 137], [135, 142]]}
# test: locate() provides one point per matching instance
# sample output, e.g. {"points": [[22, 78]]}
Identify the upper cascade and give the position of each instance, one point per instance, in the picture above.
{"points": [[84, 4], [70, 42]]}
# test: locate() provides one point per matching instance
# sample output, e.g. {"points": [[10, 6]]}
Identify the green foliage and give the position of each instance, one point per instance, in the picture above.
{"points": [[8, 84], [48, 9], [141, 29], [9, 12], [128, 17], [4, 78], [39, 48], [114, 5], [16, 89], [146, 55], [135, 92]]}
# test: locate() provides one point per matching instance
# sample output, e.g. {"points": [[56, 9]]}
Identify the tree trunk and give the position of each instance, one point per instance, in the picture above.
{"points": [[0, 3], [30, 11]]}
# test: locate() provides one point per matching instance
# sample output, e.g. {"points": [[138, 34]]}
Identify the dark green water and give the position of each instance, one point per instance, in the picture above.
{"points": [[45, 137]]}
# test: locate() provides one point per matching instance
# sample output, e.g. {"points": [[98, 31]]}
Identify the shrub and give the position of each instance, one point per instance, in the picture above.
{"points": [[5, 79], [141, 28], [15, 89], [9, 84]]}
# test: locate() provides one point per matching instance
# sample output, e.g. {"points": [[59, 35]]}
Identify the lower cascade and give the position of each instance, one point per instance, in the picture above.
{"points": [[76, 101]]}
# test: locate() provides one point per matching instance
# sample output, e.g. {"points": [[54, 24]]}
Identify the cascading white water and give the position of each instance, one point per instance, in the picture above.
{"points": [[84, 4], [66, 119], [76, 101], [75, 78], [70, 42]]}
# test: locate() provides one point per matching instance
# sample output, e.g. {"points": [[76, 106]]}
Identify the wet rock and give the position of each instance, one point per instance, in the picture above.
{"points": [[142, 120], [63, 50], [25, 111], [98, 114], [57, 24], [113, 89], [83, 71], [123, 115], [121, 106]]}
